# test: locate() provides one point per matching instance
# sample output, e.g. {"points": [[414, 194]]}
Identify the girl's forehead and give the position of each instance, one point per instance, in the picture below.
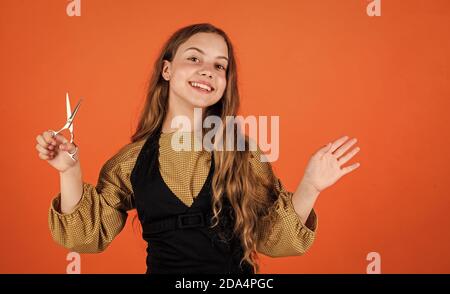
{"points": [[209, 43]]}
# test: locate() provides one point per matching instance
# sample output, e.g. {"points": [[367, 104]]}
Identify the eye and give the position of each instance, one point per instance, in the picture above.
{"points": [[219, 66], [193, 58]]}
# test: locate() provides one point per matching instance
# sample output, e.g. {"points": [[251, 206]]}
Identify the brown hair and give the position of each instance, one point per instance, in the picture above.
{"points": [[248, 193]]}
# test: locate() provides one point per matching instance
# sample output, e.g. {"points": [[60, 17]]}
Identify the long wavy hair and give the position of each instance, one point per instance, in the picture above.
{"points": [[248, 193]]}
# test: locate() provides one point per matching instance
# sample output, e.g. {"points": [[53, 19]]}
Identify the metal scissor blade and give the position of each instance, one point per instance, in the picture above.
{"points": [[70, 120], [69, 112]]}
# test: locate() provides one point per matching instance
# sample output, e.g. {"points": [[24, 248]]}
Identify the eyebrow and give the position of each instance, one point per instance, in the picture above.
{"points": [[195, 48]]}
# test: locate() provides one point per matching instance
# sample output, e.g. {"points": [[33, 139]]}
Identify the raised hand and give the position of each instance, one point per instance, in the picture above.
{"points": [[325, 166], [54, 150]]}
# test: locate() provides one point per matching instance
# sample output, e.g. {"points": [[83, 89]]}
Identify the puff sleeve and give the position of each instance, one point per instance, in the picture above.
{"points": [[101, 212], [288, 235]]}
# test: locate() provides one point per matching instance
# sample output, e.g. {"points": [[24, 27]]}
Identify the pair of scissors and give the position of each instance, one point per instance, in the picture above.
{"points": [[69, 124]]}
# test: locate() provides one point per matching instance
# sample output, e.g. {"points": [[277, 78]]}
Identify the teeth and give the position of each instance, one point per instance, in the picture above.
{"points": [[202, 86]]}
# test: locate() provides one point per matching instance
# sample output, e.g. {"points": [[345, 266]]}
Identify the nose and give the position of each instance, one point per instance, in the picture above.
{"points": [[207, 72]]}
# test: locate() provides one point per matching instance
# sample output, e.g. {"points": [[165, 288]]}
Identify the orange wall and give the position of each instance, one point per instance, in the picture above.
{"points": [[325, 67]]}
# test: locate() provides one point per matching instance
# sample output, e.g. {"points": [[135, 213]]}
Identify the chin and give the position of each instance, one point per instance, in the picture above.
{"points": [[202, 102]]}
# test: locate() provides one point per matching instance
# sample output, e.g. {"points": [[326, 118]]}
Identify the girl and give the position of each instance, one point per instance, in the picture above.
{"points": [[200, 211]]}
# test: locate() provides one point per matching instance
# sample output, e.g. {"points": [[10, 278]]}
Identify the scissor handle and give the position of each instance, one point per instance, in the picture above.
{"points": [[72, 136], [72, 155], [64, 128], [56, 133]]}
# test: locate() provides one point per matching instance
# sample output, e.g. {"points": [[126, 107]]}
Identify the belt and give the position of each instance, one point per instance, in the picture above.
{"points": [[180, 221]]}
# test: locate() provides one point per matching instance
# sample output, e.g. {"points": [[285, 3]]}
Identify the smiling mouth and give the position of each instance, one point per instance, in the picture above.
{"points": [[201, 87]]}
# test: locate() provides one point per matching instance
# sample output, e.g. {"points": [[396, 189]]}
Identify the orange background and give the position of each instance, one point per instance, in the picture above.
{"points": [[325, 67]]}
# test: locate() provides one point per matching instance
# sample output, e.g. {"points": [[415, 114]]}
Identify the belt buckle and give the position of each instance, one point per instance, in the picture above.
{"points": [[182, 225]]}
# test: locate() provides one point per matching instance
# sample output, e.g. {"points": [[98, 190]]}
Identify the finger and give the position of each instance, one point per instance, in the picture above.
{"points": [[324, 149], [60, 139], [345, 147], [41, 141], [348, 156], [42, 149], [44, 157], [350, 168], [69, 147], [337, 143], [48, 137], [50, 153]]}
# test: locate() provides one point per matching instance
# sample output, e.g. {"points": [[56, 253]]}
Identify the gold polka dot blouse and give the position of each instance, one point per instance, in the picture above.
{"points": [[102, 210]]}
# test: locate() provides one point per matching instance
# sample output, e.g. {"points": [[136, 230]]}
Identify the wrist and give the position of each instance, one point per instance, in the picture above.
{"points": [[304, 199], [307, 189], [71, 171]]}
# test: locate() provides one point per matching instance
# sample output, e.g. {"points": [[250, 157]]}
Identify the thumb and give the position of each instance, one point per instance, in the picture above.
{"points": [[324, 149], [64, 144], [69, 147], [60, 139]]}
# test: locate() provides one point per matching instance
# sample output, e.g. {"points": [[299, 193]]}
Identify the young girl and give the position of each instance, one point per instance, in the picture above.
{"points": [[200, 211]]}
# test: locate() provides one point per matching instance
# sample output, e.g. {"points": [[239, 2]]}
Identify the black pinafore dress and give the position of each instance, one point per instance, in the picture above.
{"points": [[179, 237]]}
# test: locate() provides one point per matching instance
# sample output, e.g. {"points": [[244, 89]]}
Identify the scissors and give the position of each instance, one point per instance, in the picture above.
{"points": [[69, 124]]}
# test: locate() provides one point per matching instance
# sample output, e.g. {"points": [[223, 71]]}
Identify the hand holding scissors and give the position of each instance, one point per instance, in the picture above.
{"points": [[69, 124]]}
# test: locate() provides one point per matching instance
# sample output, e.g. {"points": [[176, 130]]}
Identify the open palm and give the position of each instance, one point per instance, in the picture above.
{"points": [[325, 166]]}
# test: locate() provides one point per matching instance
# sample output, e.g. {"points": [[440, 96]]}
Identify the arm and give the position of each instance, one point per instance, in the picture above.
{"points": [[303, 200], [296, 216], [71, 188], [294, 226], [289, 235], [86, 218]]}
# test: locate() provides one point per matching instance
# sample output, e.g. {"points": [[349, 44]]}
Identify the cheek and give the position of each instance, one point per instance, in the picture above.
{"points": [[182, 72], [180, 78], [222, 83], [187, 68]]}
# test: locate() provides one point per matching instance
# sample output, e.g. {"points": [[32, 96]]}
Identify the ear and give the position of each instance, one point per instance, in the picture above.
{"points": [[166, 70]]}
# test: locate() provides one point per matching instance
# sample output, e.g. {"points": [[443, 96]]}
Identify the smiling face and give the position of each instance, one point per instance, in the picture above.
{"points": [[197, 73]]}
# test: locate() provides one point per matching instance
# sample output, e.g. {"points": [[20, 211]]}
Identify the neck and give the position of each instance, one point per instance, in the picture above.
{"points": [[179, 108]]}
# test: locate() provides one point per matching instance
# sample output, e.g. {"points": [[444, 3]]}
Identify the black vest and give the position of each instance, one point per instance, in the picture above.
{"points": [[179, 237]]}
